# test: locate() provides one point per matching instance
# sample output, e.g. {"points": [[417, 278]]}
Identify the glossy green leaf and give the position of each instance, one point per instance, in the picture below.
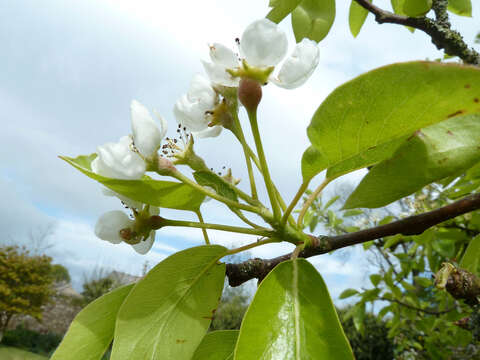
{"points": [[217, 345], [356, 18], [280, 9], [313, 19], [417, 7], [292, 317], [220, 186], [91, 332], [348, 293], [441, 150], [166, 194], [460, 7], [169, 311], [471, 258], [365, 120]]}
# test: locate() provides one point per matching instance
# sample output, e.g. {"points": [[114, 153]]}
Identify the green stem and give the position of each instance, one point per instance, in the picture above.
{"points": [[310, 200], [238, 132], [282, 203], [204, 231], [245, 220], [294, 202], [250, 246], [178, 175], [252, 115], [236, 229]]}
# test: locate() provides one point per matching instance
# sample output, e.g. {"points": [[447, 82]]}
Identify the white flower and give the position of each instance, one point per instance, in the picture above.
{"points": [[264, 45], [192, 109], [146, 134], [110, 225], [125, 159], [119, 161]]}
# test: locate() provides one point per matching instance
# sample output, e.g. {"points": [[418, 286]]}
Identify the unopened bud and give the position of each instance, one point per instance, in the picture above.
{"points": [[249, 93], [164, 166]]}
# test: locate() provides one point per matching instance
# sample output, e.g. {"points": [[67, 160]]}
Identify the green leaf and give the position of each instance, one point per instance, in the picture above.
{"points": [[364, 121], [471, 258], [356, 18], [348, 293], [313, 163], [169, 311], [392, 240], [91, 332], [422, 281], [444, 247], [217, 345], [359, 317], [313, 19], [417, 7], [280, 9], [441, 150], [354, 212], [292, 317], [166, 194], [384, 311], [375, 279], [331, 202], [221, 187], [460, 7], [397, 6]]}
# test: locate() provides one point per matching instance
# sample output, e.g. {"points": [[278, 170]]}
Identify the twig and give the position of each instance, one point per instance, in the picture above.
{"points": [[439, 30], [413, 225]]}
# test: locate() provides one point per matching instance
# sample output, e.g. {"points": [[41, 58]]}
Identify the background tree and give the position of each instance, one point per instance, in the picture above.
{"points": [[25, 284]]}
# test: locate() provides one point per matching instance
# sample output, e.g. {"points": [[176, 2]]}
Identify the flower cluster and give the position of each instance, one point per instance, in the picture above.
{"points": [[261, 48]]}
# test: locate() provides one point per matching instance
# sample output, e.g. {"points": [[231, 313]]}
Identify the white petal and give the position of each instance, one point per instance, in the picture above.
{"points": [[163, 124], [213, 131], [201, 90], [146, 134], [263, 43], [109, 225], [218, 75], [222, 55], [118, 161], [144, 246], [191, 114], [296, 70]]}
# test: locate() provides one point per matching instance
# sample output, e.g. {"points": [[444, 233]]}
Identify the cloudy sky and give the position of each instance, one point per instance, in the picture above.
{"points": [[69, 70]]}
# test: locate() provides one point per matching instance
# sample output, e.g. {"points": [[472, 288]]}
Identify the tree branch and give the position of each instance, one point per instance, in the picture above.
{"points": [[439, 30], [414, 225]]}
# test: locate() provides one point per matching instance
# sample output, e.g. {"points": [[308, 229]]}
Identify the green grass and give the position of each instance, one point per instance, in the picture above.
{"points": [[10, 353]]}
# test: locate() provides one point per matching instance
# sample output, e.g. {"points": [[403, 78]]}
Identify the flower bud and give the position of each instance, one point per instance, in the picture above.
{"points": [[249, 93]]}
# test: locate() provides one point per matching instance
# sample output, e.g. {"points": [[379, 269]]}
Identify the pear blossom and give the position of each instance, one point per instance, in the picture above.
{"points": [[192, 109], [263, 44], [125, 159], [110, 225]]}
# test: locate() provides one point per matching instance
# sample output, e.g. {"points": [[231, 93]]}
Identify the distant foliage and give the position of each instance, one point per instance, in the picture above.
{"points": [[231, 310], [32, 341], [370, 344], [25, 284]]}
